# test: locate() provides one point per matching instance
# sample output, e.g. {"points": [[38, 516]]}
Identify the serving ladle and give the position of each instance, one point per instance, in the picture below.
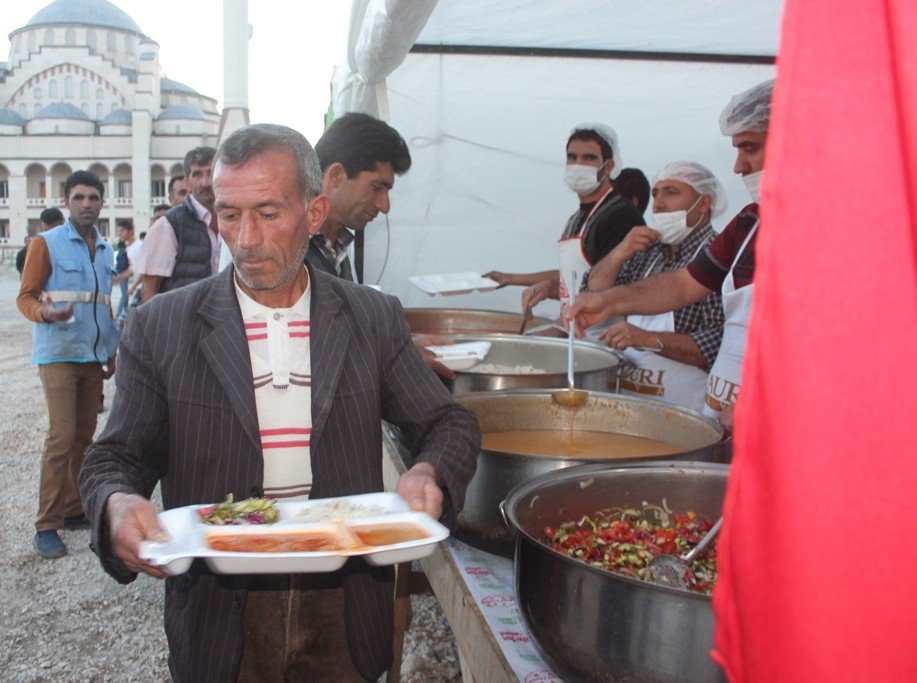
{"points": [[571, 397], [670, 570]]}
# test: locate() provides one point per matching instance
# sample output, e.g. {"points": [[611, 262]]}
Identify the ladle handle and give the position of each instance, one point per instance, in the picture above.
{"points": [[571, 337], [704, 542]]}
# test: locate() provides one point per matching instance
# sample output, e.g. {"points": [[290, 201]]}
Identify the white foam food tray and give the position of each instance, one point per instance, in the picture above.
{"points": [[460, 356], [453, 283], [188, 537]]}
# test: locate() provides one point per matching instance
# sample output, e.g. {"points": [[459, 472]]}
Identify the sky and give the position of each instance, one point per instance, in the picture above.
{"points": [[292, 52]]}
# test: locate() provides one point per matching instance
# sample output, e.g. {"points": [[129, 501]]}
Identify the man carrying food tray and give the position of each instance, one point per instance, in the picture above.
{"points": [[271, 378]]}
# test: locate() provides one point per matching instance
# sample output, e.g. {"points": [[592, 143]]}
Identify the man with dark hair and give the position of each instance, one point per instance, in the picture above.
{"points": [[160, 210], [66, 292], [270, 379], [604, 217], [184, 245], [124, 264], [634, 187], [49, 218], [178, 190], [360, 157]]}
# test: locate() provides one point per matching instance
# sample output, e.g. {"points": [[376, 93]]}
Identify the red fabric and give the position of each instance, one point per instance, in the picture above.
{"points": [[818, 560]]}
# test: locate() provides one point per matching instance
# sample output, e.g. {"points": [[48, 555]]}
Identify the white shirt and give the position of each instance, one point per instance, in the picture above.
{"points": [[279, 348]]}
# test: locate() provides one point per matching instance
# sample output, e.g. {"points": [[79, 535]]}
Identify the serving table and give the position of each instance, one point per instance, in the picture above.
{"points": [[476, 592]]}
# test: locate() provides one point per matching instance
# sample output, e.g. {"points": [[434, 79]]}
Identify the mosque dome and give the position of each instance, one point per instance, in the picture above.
{"points": [[62, 110], [86, 13], [181, 111], [10, 118], [119, 117], [168, 85]]}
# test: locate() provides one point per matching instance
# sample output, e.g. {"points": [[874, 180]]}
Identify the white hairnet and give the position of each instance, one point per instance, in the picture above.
{"points": [[608, 134], [749, 111], [700, 178]]}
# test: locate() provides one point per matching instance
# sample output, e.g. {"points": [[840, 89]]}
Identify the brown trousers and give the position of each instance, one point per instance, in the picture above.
{"points": [[72, 393], [294, 631]]}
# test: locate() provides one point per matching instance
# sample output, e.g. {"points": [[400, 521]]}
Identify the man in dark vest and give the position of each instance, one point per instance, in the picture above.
{"points": [[184, 245]]}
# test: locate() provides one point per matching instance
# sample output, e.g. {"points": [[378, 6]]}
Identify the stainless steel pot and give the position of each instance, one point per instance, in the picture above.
{"points": [[592, 625], [595, 367], [480, 523], [447, 321]]}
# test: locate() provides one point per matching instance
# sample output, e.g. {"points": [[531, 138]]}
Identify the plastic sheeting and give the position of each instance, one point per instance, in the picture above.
{"points": [[748, 27], [817, 564], [381, 34], [488, 133]]}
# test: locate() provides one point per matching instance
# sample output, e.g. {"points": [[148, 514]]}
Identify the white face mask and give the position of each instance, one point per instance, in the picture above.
{"points": [[752, 184], [673, 225], [582, 179]]}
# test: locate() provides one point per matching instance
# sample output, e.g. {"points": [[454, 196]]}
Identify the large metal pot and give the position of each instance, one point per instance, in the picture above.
{"points": [[447, 321], [590, 624], [480, 523], [595, 367]]}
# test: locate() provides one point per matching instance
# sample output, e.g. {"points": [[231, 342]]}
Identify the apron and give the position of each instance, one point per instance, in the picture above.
{"points": [[574, 265], [656, 376], [723, 382]]}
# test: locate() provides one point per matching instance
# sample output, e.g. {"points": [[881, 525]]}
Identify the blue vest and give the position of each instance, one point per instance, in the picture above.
{"points": [[91, 335]]}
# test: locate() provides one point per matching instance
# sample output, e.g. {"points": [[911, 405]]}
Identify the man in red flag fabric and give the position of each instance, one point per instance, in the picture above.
{"points": [[816, 566]]}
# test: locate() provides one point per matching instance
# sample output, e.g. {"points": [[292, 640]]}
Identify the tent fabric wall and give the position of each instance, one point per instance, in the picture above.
{"points": [[702, 26], [381, 33], [487, 134]]}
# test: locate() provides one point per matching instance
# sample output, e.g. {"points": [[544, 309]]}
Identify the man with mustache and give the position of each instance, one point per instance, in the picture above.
{"points": [[184, 245]]}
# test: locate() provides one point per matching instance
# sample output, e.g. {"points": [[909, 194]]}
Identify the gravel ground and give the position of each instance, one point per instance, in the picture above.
{"points": [[66, 620]]}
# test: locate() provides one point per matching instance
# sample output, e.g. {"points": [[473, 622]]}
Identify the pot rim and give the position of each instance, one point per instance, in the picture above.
{"points": [[626, 398], [510, 503]]}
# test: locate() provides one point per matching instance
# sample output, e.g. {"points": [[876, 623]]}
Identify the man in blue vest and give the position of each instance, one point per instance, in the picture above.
{"points": [[66, 292]]}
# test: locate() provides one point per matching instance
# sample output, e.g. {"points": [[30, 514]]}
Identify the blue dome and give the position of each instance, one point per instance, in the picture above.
{"points": [[174, 86], [10, 118], [62, 110], [85, 12], [181, 111], [119, 117]]}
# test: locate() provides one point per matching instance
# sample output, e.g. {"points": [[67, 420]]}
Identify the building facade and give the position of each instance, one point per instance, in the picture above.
{"points": [[83, 89]]}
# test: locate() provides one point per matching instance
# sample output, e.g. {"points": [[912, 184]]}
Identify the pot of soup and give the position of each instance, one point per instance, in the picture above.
{"points": [[526, 434], [449, 321], [594, 624], [519, 362]]}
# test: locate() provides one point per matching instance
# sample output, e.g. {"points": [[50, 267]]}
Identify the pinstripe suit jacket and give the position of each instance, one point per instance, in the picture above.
{"points": [[185, 415]]}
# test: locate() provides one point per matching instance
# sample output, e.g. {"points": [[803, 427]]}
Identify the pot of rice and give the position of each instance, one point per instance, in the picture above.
{"points": [[519, 362]]}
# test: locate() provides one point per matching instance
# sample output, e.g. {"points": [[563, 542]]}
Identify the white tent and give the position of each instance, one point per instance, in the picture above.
{"points": [[486, 93]]}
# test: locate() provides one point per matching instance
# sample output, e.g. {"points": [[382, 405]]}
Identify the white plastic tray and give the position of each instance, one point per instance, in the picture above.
{"points": [[461, 356], [453, 283], [188, 539]]}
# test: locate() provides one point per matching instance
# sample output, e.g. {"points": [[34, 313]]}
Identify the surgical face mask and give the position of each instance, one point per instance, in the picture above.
{"points": [[582, 179], [673, 225], [752, 184]]}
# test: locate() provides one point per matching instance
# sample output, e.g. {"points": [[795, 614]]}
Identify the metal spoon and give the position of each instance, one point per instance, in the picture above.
{"points": [[525, 319], [570, 397], [670, 569]]}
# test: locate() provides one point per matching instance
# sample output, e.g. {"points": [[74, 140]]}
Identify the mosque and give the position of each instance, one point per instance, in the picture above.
{"points": [[83, 89]]}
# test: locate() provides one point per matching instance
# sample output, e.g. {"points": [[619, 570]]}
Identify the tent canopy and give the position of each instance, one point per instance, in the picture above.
{"points": [[486, 94]]}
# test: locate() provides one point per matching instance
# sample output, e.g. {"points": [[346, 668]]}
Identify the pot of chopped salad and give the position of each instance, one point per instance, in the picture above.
{"points": [[585, 538]]}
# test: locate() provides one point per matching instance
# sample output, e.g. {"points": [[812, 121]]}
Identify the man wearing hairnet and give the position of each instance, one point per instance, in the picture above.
{"points": [[604, 217], [672, 351], [726, 264]]}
